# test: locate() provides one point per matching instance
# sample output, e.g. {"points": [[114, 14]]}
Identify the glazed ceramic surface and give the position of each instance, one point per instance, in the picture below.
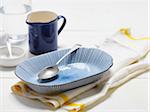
{"points": [[80, 68], [43, 31], [18, 56]]}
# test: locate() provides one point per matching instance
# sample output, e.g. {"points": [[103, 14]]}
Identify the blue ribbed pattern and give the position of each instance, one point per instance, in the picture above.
{"points": [[81, 67]]}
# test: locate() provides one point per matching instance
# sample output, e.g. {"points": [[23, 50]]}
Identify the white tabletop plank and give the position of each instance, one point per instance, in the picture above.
{"points": [[100, 15]]}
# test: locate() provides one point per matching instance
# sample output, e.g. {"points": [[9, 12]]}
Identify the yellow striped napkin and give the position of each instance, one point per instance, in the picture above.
{"points": [[130, 59]]}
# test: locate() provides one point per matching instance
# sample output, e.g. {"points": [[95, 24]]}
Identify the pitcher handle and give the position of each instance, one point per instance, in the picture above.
{"points": [[63, 24]]}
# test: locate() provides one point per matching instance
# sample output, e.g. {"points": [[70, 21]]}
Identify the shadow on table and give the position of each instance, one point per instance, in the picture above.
{"points": [[7, 68], [32, 103]]}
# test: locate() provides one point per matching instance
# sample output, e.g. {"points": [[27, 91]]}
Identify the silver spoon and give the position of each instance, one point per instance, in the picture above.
{"points": [[50, 73], [9, 48]]}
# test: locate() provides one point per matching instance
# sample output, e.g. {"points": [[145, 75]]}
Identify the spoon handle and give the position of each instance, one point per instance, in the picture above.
{"points": [[9, 47], [75, 47]]}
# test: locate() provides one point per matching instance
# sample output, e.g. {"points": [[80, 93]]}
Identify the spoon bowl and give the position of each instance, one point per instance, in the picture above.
{"points": [[50, 73], [47, 72]]}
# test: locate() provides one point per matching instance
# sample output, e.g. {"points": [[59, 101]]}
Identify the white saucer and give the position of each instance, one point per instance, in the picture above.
{"points": [[18, 56]]}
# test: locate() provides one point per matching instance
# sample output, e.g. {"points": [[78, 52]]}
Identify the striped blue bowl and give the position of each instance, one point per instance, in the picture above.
{"points": [[82, 67]]}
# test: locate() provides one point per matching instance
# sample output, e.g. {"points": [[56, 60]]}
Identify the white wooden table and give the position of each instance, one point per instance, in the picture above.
{"points": [[88, 23]]}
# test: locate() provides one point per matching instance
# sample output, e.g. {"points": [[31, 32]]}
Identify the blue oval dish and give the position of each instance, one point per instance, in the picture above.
{"points": [[82, 67]]}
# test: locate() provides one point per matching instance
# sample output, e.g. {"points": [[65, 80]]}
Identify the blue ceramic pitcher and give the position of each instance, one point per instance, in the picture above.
{"points": [[43, 31]]}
